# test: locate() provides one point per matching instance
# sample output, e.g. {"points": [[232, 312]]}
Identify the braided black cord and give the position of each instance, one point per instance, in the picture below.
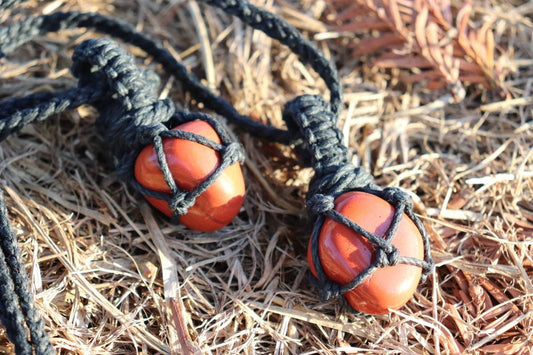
{"points": [[11, 316], [19, 112], [24, 31]]}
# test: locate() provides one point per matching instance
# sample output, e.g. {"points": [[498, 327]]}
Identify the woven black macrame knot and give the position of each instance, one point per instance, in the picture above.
{"points": [[319, 204], [397, 197], [130, 113], [388, 256], [180, 203], [312, 118]]}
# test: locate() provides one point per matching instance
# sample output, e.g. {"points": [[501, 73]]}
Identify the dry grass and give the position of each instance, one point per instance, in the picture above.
{"points": [[111, 278]]}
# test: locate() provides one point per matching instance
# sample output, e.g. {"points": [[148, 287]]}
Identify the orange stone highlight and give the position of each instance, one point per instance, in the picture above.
{"points": [[191, 163], [344, 253]]}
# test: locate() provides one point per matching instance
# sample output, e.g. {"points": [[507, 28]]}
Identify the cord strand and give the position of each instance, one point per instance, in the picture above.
{"points": [[28, 29], [15, 293]]}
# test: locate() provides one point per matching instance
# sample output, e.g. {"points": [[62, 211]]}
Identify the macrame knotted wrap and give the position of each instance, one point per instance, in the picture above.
{"points": [[131, 117], [334, 175]]}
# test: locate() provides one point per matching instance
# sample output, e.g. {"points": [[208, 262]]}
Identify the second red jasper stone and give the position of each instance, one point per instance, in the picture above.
{"points": [[191, 163], [344, 253]]}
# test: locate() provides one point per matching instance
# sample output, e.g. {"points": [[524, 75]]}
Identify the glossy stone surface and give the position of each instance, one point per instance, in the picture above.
{"points": [[344, 254], [190, 163]]}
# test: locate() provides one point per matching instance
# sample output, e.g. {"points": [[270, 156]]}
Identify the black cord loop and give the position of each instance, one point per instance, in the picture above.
{"points": [[32, 27]]}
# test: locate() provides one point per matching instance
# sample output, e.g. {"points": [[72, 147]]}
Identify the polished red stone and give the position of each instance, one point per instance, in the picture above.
{"points": [[344, 253], [190, 163]]}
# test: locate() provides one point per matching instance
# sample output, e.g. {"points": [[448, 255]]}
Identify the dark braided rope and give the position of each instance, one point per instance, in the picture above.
{"points": [[11, 316], [26, 30], [334, 175], [130, 118], [19, 112], [280, 30], [15, 293]]}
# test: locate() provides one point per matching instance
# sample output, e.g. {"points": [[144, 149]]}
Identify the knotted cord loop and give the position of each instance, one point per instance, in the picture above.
{"points": [[32, 27], [129, 111], [334, 175]]}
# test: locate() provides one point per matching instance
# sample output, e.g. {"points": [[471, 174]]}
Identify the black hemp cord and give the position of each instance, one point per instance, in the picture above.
{"points": [[30, 28], [131, 117]]}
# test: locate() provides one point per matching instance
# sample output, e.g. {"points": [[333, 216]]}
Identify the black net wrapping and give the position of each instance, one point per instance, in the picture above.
{"points": [[334, 175], [131, 117]]}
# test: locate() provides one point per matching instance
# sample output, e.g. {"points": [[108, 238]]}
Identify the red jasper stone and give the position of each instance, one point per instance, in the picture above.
{"points": [[344, 253], [191, 163]]}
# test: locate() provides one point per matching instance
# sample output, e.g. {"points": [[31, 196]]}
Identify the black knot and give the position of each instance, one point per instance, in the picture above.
{"points": [[147, 133], [339, 179], [130, 113], [396, 197], [315, 122], [320, 204], [152, 113], [180, 203], [233, 153], [298, 112], [104, 65], [387, 256], [136, 128]]}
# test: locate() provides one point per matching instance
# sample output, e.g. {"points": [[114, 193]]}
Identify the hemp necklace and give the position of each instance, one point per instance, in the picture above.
{"points": [[133, 121]]}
